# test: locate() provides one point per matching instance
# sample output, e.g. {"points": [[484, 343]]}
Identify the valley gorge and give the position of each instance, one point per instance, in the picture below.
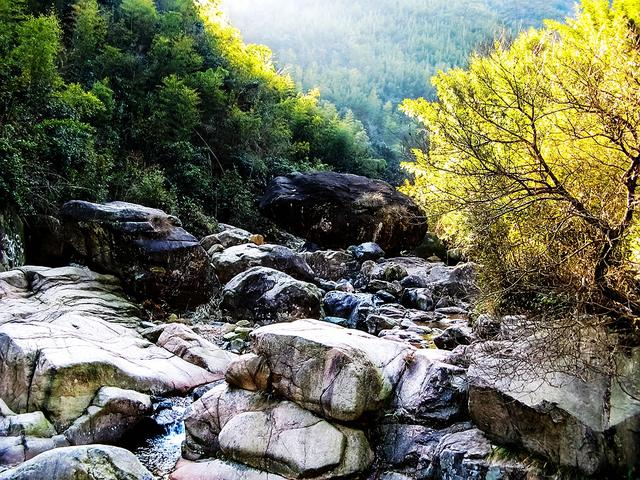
{"points": [[305, 362]]}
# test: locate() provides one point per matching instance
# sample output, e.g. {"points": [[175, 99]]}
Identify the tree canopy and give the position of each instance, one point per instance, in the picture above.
{"points": [[533, 161]]}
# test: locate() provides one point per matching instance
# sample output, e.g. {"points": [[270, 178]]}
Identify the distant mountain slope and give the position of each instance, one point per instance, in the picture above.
{"points": [[363, 54]]}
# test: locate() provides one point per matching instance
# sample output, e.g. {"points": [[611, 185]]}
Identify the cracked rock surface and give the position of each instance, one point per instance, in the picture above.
{"points": [[336, 372], [94, 462], [272, 435], [65, 333]]}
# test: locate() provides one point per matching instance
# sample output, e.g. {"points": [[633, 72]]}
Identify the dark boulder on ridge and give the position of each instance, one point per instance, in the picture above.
{"points": [[146, 248], [333, 210]]}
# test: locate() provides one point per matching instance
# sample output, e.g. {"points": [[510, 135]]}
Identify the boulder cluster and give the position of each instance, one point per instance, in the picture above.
{"points": [[306, 363]]}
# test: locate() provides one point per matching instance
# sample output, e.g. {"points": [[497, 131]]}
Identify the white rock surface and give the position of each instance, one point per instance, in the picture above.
{"points": [[336, 372]]}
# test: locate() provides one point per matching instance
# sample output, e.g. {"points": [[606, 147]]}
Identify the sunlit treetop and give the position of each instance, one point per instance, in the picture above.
{"points": [[541, 138]]}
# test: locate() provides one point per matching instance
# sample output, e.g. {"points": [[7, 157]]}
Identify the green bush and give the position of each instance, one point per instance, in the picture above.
{"points": [[150, 188]]}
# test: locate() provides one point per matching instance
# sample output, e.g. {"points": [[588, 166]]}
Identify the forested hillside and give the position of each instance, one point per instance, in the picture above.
{"points": [[368, 56], [153, 102]]}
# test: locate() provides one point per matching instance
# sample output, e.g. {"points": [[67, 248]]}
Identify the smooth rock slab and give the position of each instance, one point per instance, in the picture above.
{"points": [[219, 470], [295, 443], [73, 333], [40, 294], [96, 462], [335, 372]]}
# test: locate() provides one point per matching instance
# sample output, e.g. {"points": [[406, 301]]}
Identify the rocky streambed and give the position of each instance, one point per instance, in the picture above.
{"points": [[306, 363]]}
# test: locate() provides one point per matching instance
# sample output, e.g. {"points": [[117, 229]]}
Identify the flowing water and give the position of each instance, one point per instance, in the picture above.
{"points": [[160, 449]]}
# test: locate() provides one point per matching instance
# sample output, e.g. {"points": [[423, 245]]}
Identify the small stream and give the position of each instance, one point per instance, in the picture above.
{"points": [[159, 447]]}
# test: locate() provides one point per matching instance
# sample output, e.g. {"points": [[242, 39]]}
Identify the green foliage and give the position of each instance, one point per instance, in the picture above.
{"points": [[234, 199], [89, 34], [533, 162], [36, 52], [149, 187], [139, 19], [367, 56], [176, 110], [160, 103]]}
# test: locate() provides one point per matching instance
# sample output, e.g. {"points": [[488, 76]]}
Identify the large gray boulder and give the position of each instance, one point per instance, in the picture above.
{"points": [[295, 443], [431, 390], [335, 210], [330, 370], [332, 265], [235, 260], [147, 249], [113, 413], [67, 332], [265, 295], [590, 424], [206, 417], [96, 462], [275, 436]]}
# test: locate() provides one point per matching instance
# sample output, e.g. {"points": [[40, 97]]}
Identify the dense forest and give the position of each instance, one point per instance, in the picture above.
{"points": [[329, 45], [154, 102]]}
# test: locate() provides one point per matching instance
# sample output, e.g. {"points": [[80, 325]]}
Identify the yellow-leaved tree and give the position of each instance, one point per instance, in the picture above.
{"points": [[533, 162]]}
